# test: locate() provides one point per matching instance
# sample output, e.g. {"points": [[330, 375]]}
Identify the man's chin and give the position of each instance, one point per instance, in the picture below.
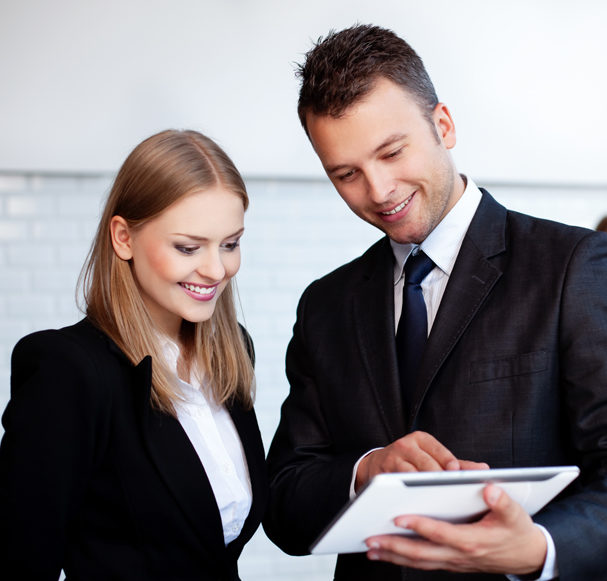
{"points": [[404, 236]]}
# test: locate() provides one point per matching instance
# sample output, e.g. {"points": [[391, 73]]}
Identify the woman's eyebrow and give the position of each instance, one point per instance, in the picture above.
{"points": [[204, 238]]}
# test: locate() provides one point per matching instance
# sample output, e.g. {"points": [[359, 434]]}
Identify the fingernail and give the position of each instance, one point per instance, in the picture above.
{"points": [[373, 556], [373, 545], [494, 495], [401, 522]]}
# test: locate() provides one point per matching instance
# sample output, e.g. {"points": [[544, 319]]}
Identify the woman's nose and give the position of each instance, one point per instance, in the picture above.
{"points": [[211, 266]]}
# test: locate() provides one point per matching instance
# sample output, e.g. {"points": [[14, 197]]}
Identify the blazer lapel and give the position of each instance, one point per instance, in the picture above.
{"points": [[179, 466], [248, 431], [471, 281], [375, 336]]}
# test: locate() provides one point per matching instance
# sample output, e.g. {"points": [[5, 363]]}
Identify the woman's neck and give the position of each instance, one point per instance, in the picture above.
{"points": [[183, 367]]}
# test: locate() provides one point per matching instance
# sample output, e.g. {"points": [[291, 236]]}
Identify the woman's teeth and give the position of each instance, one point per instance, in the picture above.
{"points": [[201, 290]]}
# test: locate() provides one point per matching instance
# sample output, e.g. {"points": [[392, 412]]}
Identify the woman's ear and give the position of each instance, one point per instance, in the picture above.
{"points": [[121, 238]]}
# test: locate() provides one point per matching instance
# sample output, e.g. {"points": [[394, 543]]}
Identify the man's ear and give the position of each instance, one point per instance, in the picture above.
{"points": [[445, 127], [121, 238]]}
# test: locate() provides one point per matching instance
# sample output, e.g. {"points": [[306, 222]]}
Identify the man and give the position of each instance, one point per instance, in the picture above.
{"points": [[514, 369]]}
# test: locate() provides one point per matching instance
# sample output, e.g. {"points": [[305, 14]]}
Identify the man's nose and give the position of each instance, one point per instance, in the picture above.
{"points": [[380, 185]]}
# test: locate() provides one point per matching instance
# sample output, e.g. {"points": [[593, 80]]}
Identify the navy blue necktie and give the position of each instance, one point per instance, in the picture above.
{"points": [[413, 324]]}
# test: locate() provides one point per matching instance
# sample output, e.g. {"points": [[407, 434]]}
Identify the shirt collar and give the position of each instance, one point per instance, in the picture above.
{"points": [[442, 245]]}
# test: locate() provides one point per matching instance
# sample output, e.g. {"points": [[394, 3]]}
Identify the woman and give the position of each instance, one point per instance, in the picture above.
{"points": [[131, 448]]}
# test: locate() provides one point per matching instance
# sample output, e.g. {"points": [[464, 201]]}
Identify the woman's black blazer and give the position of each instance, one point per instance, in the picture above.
{"points": [[96, 482]]}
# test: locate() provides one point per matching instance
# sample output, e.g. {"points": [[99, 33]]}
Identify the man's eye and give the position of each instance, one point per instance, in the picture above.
{"points": [[347, 176], [395, 153]]}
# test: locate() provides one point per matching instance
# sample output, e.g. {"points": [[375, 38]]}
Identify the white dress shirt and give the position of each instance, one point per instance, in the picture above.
{"points": [[214, 437], [442, 246]]}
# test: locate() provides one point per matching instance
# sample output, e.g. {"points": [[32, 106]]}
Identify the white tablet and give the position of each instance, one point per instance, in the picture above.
{"points": [[454, 496]]}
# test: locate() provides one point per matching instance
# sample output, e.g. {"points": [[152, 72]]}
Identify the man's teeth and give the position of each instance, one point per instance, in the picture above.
{"points": [[397, 209], [198, 289]]}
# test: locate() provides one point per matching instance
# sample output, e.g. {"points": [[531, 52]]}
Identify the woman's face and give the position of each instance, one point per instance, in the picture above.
{"points": [[183, 259]]}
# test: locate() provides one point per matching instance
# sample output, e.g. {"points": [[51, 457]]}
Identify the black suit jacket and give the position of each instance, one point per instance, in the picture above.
{"points": [[514, 374], [94, 481]]}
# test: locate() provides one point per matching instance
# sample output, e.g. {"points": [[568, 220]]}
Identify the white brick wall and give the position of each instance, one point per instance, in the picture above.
{"points": [[296, 231]]}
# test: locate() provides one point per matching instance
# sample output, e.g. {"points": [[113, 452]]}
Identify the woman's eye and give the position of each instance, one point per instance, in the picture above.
{"points": [[232, 245], [187, 249]]}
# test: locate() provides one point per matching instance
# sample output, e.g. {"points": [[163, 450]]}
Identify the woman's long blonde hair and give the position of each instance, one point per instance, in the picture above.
{"points": [[158, 172]]}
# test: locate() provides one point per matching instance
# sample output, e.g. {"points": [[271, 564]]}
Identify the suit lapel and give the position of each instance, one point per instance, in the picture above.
{"points": [[473, 277], [375, 335], [179, 466]]}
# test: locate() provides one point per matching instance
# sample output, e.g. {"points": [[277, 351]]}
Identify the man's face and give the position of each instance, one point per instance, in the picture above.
{"points": [[389, 162]]}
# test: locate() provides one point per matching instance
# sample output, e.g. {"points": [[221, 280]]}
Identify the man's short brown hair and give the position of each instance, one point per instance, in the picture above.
{"points": [[343, 67]]}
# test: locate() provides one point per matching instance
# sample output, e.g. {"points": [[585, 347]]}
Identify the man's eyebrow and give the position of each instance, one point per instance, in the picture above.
{"points": [[390, 141], [386, 143], [334, 168], [203, 238]]}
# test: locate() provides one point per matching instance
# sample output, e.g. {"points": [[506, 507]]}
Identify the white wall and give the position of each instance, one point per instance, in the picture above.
{"points": [[82, 82]]}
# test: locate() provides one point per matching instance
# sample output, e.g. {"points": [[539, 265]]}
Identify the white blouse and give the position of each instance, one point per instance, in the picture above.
{"points": [[214, 437]]}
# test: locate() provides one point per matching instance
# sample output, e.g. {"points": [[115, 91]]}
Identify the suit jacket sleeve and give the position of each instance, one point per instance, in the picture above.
{"points": [[53, 426], [309, 479], [578, 521]]}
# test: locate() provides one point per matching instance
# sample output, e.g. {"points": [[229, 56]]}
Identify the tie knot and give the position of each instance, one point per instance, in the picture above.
{"points": [[417, 268]]}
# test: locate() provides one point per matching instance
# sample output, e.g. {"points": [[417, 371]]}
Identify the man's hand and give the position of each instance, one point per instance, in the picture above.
{"points": [[415, 452], [504, 541]]}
